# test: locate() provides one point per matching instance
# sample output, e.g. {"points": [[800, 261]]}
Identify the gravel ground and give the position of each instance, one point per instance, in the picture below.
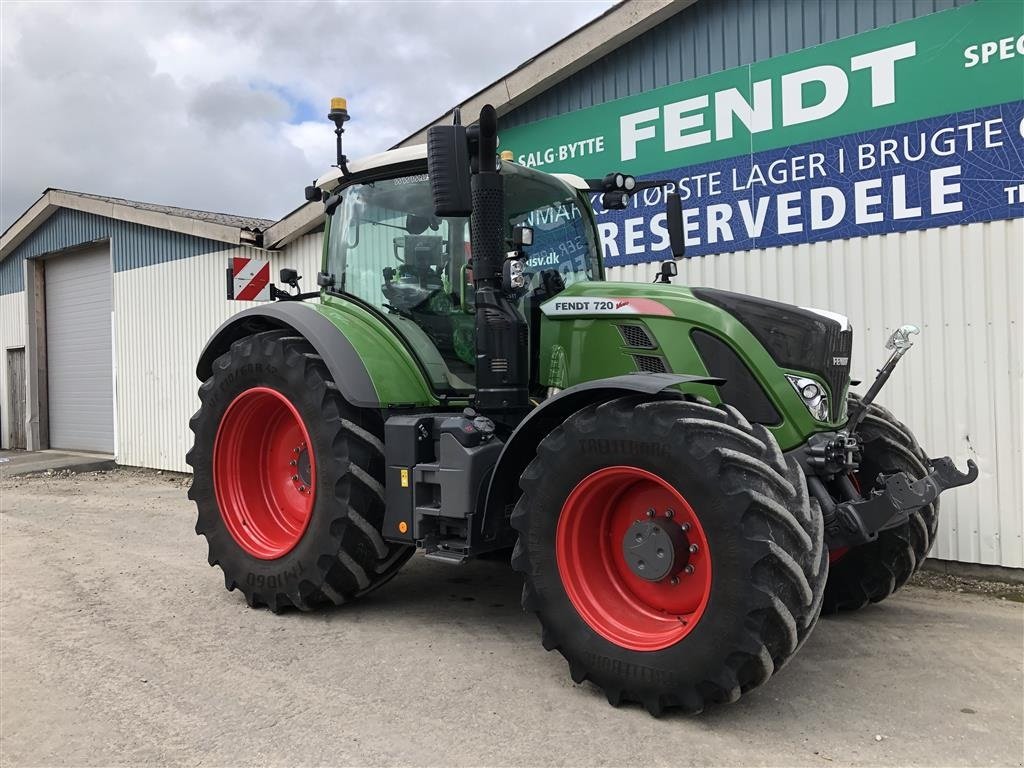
{"points": [[119, 645]]}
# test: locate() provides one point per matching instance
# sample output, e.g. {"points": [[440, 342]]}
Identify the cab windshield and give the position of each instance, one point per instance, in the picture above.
{"points": [[390, 225]]}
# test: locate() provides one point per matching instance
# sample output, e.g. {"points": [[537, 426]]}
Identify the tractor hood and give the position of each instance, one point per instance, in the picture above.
{"points": [[799, 338], [762, 337]]}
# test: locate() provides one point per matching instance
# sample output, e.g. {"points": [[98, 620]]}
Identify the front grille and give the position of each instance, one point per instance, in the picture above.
{"points": [[837, 367], [650, 364], [636, 336]]}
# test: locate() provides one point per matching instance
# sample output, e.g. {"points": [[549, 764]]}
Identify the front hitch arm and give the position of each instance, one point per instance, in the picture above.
{"points": [[858, 522], [899, 344]]}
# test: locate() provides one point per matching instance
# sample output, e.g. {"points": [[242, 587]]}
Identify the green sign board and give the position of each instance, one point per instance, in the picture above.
{"points": [[939, 64]]}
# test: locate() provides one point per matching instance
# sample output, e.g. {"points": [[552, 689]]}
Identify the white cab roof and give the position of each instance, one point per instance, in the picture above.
{"points": [[330, 179]]}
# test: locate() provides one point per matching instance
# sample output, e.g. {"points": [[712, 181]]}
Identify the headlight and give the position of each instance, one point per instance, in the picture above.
{"points": [[812, 394]]}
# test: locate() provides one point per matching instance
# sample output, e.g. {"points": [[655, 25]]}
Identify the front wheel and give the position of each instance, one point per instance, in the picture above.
{"points": [[872, 572], [288, 478], [670, 551]]}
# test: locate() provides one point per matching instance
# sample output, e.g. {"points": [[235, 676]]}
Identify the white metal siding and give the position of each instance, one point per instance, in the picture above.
{"points": [[163, 316], [78, 350], [959, 389], [12, 334]]}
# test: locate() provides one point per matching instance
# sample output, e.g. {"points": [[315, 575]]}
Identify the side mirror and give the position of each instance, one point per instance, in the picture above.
{"points": [[331, 203], [448, 168], [668, 271], [290, 277], [674, 213], [522, 235]]}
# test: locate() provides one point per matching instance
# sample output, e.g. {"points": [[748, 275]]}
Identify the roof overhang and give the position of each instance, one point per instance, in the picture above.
{"points": [[612, 29], [299, 222], [53, 200]]}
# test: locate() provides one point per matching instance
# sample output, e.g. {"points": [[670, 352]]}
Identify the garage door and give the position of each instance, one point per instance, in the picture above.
{"points": [[78, 350]]}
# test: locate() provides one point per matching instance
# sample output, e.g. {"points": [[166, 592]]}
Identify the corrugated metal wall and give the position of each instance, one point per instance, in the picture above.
{"points": [[959, 389], [163, 316], [712, 36]]}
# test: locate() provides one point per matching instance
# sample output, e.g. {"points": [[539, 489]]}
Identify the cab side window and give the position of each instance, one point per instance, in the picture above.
{"points": [[388, 249]]}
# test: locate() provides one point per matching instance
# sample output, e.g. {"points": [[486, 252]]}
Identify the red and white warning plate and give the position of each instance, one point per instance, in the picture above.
{"points": [[250, 278]]}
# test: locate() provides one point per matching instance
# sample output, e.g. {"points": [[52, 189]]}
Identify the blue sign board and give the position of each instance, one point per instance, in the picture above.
{"points": [[955, 169]]}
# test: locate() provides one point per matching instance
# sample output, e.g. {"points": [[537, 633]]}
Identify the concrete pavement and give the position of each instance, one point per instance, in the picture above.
{"points": [[119, 645], [14, 463]]}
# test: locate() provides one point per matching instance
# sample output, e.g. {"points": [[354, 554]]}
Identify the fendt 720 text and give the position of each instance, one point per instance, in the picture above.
{"points": [[680, 474]]}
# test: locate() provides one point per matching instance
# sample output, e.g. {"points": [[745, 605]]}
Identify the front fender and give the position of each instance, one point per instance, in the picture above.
{"points": [[521, 446]]}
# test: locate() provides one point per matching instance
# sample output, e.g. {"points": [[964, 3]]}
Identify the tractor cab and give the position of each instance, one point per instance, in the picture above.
{"points": [[387, 250]]}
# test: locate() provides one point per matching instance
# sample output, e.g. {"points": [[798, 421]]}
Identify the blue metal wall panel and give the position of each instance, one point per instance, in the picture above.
{"points": [[714, 35], [131, 245]]}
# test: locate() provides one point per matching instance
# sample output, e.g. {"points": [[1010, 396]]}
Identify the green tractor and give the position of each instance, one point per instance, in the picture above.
{"points": [[681, 475]]}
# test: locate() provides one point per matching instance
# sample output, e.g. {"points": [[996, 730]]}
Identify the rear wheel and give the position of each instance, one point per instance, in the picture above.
{"points": [[288, 478], [670, 551], [872, 572]]}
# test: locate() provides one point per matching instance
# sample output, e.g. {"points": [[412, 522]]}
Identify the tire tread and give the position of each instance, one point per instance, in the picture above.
{"points": [[363, 560], [754, 473]]}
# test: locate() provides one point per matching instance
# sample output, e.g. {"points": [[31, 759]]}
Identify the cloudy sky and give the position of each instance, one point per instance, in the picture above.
{"points": [[223, 106]]}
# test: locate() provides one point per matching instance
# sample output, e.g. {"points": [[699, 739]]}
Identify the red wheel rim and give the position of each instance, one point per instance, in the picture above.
{"points": [[264, 473], [620, 606]]}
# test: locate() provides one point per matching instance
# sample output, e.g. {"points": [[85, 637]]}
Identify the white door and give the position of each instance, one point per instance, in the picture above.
{"points": [[79, 362]]}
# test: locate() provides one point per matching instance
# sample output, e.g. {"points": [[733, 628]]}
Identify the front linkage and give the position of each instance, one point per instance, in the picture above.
{"points": [[833, 457]]}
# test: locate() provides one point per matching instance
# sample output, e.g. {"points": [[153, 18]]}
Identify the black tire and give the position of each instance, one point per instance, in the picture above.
{"points": [[764, 535], [341, 554], [872, 572]]}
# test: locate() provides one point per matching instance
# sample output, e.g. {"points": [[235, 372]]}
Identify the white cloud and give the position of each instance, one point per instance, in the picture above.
{"points": [[201, 56], [311, 138], [222, 106]]}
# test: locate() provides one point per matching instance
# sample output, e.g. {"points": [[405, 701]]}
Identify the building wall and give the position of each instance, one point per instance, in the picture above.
{"points": [[168, 298], [132, 246], [163, 316], [959, 389]]}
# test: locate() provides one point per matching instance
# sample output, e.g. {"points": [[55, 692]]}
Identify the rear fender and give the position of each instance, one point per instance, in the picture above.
{"points": [[339, 355], [521, 446]]}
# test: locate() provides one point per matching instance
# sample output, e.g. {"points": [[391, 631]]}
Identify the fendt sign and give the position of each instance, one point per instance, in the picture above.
{"points": [[913, 126]]}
